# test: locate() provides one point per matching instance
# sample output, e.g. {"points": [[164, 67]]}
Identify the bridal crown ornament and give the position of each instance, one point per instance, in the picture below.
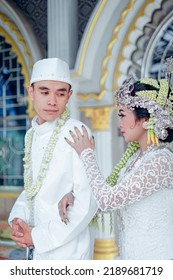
{"points": [[158, 101]]}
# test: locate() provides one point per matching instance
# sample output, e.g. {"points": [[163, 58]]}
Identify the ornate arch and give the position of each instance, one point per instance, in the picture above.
{"points": [[148, 43], [15, 66], [18, 34], [126, 50]]}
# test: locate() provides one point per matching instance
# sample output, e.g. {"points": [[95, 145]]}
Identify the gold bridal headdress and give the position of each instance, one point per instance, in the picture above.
{"points": [[158, 102]]}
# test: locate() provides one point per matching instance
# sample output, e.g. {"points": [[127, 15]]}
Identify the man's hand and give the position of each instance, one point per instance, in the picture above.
{"points": [[21, 233], [16, 229], [68, 199]]}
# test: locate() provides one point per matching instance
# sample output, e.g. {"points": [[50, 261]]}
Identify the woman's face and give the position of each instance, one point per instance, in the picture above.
{"points": [[131, 128]]}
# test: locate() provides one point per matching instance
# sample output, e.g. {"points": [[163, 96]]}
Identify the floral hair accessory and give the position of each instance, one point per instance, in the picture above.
{"points": [[158, 102]]}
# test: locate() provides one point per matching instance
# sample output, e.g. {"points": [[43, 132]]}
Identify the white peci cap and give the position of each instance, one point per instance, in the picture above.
{"points": [[52, 69]]}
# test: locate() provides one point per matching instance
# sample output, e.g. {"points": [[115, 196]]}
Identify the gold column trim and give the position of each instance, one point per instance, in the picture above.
{"points": [[99, 116], [9, 195], [88, 37], [93, 95], [105, 249], [10, 191], [107, 57], [126, 41]]}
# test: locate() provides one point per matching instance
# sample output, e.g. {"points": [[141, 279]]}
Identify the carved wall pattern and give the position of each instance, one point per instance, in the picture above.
{"points": [[36, 13], [85, 9]]}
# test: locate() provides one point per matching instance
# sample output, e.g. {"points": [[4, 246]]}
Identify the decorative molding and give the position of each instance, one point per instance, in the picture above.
{"points": [[24, 70], [108, 56], [159, 48], [78, 71], [125, 64], [14, 46], [143, 14], [99, 116]]}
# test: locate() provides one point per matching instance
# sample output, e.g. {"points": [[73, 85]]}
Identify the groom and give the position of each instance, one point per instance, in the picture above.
{"points": [[51, 169]]}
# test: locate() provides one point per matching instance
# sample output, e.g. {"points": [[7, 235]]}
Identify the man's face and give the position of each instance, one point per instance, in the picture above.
{"points": [[49, 99]]}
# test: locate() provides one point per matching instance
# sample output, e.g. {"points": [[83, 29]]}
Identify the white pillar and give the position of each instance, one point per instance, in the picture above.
{"points": [[63, 30], [103, 140], [103, 151], [104, 159]]}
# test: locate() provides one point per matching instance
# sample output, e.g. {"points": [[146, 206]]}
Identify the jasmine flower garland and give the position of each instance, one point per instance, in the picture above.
{"points": [[131, 149], [31, 189]]}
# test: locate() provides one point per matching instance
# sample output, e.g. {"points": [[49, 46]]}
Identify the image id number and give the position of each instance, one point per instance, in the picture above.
{"points": [[147, 270]]}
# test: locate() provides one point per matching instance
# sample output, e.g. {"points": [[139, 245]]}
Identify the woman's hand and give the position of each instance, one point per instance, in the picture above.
{"points": [[81, 141], [68, 199]]}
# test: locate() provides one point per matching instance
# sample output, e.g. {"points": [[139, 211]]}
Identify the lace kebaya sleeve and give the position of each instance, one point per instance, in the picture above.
{"points": [[152, 173]]}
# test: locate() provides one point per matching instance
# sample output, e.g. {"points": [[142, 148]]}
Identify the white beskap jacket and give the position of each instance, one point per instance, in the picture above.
{"points": [[52, 238]]}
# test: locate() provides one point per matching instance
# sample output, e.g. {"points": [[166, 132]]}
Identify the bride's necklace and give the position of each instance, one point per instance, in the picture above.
{"points": [[31, 189]]}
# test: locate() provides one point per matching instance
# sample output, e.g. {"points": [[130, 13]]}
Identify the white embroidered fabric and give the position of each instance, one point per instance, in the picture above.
{"points": [[143, 198], [139, 178]]}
